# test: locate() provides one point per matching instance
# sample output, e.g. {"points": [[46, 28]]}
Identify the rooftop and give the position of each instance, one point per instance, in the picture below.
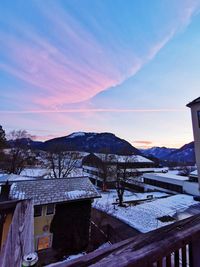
{"points": [[166, 176], [143, 213], [194, 173], [121, 158], [45, 191], [195, 101]]}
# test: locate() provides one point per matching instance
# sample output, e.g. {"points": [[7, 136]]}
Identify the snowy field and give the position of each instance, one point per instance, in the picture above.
{"points": [[34, 173], [144, 216], [13, 177]]}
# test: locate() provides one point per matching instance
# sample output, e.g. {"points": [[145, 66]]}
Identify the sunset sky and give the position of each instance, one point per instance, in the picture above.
{"points": [[123, 66]]}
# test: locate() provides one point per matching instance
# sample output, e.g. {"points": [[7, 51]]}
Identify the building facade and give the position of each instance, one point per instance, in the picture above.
{"points": [[195, 113], [62, 209], [106, 168]]}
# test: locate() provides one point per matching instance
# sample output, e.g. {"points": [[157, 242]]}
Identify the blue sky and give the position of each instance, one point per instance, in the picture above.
{"points": [[127, 67]]}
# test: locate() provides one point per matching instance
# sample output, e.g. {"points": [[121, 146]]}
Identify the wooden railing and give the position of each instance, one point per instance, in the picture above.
{"points": [[175, 245]]}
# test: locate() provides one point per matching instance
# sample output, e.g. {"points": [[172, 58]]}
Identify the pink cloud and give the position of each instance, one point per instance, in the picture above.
{"points": [[78, 66], [88, 110], [62, 80], [143, 142]]}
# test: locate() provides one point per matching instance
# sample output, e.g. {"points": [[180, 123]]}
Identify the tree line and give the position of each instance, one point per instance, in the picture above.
{"points": [[17, 155]]}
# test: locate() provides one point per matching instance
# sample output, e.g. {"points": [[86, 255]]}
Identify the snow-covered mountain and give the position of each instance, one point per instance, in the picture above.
{"points": [[91, 142], [185, 154], [158, 152]]}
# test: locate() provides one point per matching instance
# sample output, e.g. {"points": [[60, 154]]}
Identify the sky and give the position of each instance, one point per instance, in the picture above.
{"points": [[121, 66]]}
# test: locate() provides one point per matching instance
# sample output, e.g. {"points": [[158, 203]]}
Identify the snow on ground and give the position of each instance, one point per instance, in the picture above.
{"points": [[45, 173], [13, 177], [35, 172], [104, 245], [77, 172], [72, 257], [176, 172], [143, 216]]}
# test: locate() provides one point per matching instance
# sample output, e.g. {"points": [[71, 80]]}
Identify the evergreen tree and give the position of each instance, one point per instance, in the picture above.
{"points": [[2, 137]]}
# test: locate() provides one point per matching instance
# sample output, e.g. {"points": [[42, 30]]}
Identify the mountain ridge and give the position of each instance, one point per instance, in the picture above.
{"points": [[84, 142], [184, 154]]}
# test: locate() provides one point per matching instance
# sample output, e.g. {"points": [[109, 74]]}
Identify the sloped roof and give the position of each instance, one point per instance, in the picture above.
{"points": [[122, 158], [194, 173], [45, 191], [195, 101]]}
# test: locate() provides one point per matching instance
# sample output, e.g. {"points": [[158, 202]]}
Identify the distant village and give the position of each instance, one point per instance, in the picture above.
{"points": [[63, 206]]}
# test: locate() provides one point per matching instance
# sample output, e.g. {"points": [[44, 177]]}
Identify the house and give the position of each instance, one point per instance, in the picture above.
{"points": [[62, 210], [106, 167], [170, 183], [195, 113]]}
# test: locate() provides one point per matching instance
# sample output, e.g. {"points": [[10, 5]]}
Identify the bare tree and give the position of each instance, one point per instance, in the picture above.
{"points": [[19, 154], [185, 170], [107, 169], [123, 174], [61, 163]]}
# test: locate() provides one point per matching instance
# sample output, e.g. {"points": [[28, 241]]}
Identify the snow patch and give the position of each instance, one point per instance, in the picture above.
{"points": [[76, 194], [77, 134]]}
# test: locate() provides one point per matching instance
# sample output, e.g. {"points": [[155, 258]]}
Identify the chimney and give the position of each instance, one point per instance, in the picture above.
{"points": [[195, 112], [5, 191]]}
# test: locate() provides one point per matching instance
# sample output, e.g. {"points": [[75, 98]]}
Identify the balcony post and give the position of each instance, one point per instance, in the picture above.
{"points": [[195, 253]]}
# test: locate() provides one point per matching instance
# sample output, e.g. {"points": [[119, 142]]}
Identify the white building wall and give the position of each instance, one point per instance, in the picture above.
{"points": [[196, 132], [191, 188]]}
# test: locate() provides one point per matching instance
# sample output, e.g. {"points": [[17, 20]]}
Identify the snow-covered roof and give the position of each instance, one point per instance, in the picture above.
{"points": [[45, 191], [144, 216], [194, 173], [167, 177], [142, 170], [121, 158]]}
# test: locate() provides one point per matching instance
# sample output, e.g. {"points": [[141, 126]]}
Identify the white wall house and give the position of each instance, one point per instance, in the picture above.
{"points": [[195, 112], [170, 183]]}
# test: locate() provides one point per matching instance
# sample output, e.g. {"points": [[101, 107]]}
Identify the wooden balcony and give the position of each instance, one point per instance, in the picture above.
{"points": [[175, 245]]}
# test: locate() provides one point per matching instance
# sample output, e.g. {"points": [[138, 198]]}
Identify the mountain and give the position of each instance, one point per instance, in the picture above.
{"points": [[158, 152], [185, 154], [92, 142], [82, 141]]}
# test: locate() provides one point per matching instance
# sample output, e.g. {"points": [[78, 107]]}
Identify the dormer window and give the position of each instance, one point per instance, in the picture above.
{"points": [[198, 115]]}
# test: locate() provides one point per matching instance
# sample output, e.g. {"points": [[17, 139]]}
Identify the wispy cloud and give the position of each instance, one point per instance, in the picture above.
{"points": [[89, 110], [142, 142], [70, 64]]}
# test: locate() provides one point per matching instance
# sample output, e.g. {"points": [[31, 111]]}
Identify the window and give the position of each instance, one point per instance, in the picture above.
{"points": [[44, 242], [50, 209], [37, 211], [198, 115]]}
